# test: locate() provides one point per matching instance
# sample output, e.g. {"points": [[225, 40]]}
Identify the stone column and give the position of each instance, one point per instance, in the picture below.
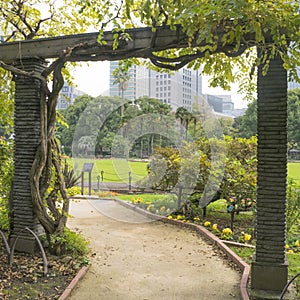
{"points": [[269, 267], [27, 137]]}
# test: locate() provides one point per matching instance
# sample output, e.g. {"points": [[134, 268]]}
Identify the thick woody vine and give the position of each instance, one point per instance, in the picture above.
{"points": [[48, 173]]}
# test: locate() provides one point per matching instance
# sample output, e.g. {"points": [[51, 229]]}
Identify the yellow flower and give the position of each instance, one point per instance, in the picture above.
{"points": [[170, 217], [215, 226], [196, 219], [286, 246], [179, 217], [290, 251], [297, 244], [247, 237], [227, 231], [207, 223]]}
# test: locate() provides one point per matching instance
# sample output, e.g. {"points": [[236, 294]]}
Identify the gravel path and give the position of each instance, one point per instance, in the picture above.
{"points": [[138, 259]]}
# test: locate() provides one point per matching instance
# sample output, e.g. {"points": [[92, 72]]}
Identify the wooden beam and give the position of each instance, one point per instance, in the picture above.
{"points": [[142, 42]]}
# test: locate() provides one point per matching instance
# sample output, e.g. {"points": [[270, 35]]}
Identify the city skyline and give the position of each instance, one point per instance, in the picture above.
{"points": [[87, 80]]}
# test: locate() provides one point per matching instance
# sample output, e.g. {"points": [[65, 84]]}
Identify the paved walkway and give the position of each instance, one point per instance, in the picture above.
{"points": [[136, 258]]}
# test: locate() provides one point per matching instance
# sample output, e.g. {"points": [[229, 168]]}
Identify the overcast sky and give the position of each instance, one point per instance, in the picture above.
{"points": [[94, 80]]}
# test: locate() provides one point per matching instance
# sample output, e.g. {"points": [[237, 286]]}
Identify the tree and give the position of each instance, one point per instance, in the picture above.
{"points": [[184, 116], [238, 25], [71, 116], [246, 125], [122, 77]]}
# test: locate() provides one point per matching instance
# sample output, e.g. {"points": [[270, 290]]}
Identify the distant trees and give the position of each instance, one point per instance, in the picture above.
{"points": [[102, 121], [294, 118], [71, 116], [246, 125]]}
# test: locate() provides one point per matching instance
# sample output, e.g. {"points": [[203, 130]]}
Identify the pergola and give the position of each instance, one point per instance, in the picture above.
{"points": [[269, 266]]}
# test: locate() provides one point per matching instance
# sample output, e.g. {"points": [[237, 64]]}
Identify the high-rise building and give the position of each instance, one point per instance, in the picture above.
{"points": [[138, 83], [67, 96], [177, 89]]}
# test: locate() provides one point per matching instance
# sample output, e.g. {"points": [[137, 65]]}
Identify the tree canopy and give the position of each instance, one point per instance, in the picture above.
{"points": [[246, 125], [31, 19], [229, 29]]}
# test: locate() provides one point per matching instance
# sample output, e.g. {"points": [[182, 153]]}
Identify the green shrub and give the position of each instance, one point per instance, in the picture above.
{"points": [[70, 242], [293, 204]]}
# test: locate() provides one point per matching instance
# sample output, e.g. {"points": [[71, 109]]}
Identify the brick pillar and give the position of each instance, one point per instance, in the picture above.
{"points": [[27, 136], [269, 268]]}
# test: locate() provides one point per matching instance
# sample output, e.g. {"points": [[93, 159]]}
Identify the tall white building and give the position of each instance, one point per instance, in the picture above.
{"points": [[138, 84], [177, 89], [67, 96]]}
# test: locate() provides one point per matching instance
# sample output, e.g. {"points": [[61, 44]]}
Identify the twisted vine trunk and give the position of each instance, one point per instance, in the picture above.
{"points": [[37, 154]]}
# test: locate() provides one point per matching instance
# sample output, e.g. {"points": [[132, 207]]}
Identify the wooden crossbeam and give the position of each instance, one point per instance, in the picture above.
{"points": [[142, 43]]}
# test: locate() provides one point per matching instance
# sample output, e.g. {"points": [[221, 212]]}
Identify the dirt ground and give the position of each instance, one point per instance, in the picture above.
{"points": [[138, 259]]}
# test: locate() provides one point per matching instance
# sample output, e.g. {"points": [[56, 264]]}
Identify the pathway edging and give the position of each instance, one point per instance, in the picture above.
{"points": [[245, 268], [74, 282]]}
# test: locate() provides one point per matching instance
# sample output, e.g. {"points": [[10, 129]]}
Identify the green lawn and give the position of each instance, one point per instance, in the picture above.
{"points": [[145, 197], [115, 170], [294, 171]]}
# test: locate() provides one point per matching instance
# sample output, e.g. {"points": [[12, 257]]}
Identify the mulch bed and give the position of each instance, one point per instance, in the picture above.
{"points": [[25, 279]]}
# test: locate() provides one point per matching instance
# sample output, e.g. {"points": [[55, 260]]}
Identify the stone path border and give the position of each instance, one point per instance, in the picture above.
{"points": [[245, 268], [74, 282]]}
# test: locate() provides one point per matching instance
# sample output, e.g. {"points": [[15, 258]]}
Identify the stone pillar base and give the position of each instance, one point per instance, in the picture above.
{"points": [[25, 244], [266, 277]]}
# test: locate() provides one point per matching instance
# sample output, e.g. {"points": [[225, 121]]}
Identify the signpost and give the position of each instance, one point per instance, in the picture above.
{"points": [[87, 167]]}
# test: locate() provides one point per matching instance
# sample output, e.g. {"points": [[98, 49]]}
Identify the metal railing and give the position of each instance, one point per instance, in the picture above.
{"points": [[10, 251]]}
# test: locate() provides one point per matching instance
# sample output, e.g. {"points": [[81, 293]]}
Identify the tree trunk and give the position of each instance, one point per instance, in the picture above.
{"points": [[269, 268]]}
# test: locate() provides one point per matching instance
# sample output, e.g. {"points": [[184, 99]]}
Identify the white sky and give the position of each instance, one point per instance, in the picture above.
{"points": [[94, 80]]}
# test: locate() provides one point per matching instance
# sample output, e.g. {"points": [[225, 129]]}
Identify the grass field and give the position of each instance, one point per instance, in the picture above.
{"points": [[294, 171], [117, 170], [114, 170]]}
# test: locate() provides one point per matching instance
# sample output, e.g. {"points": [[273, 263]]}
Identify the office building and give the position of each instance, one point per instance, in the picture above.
{"points": [[221, 104], [67, 96], [177, 89]]}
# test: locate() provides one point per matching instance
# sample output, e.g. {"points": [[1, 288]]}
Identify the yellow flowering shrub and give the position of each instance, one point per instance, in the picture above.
{"points": [[214, 227], [207, 224], [227, 234]]}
